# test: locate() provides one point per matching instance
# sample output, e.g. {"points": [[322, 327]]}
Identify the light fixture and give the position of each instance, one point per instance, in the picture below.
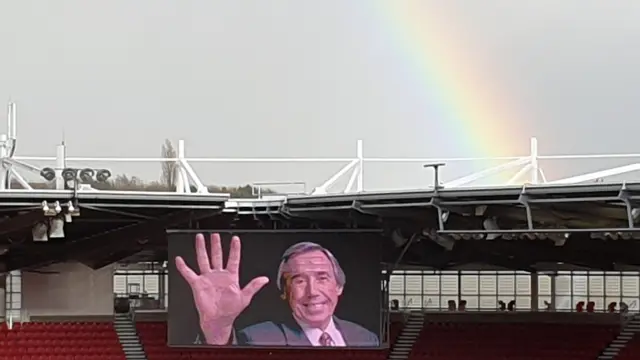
{"points": [[86, 175], [57, 207], [480, 210], [48, 174], [70, 207], [48, 211], [491, 224], [69, 174], [39, 232], [56, 228], [72, 210], [560, 240], [103, 175]]}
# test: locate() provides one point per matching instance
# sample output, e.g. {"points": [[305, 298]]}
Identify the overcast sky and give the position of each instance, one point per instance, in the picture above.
{"points": [[291, 78]]}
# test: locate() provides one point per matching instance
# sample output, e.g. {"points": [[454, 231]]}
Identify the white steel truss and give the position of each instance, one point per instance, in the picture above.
{"points": [[528, 168]]}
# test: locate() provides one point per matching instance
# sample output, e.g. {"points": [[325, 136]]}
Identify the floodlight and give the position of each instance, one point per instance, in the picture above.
{"points": [[69, 174], [86, 175], [103, 175], [57, 207], [491, 224], [56, 228], [48, 211], [39, 232], [45, 207], [72, 209], [445, 216], [48, 174], [480, 210]]}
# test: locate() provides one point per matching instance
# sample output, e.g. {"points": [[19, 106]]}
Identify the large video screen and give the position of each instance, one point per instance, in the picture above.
{"points": [[274, 289]]}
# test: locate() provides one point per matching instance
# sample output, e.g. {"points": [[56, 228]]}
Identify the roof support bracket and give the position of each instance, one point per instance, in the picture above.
{"points": [[442, 213], [625, 197], [524, 200]]}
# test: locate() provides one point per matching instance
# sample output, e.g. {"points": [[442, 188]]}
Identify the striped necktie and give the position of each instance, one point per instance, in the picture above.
{"points": [[326, 340]]}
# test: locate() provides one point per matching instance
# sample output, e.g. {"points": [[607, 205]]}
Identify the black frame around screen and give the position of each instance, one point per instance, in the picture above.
{"points": [[358, 252]]}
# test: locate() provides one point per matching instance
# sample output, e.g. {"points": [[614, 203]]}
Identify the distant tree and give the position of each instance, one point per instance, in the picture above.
{"points": [[34, 185], [168, 167], [121, 182], [245, 192]]}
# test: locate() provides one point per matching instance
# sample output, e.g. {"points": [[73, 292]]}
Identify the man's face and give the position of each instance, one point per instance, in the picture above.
{"points": [[313, 289]]}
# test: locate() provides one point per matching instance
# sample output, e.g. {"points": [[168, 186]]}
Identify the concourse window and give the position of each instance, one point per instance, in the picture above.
{"points": [[480, 290], [631, 289], [144, 281], [431, 288], [483, 290], [596, 287], [449, 287], [544, 292]]}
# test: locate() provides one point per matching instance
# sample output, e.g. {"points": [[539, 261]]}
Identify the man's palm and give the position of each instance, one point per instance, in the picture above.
{"points": [[216, 291], [218, 295]]}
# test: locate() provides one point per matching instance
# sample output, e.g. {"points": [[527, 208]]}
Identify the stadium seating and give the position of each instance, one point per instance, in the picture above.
{"points": [[153, 336], [394, 330], [497, 341], [441, 340], [60, 341], [631, 351]]}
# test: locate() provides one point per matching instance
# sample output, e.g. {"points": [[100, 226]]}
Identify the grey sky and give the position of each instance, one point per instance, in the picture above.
{"points": [[301, 78]]}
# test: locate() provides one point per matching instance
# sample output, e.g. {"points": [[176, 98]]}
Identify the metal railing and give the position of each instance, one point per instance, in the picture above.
{"points": [[524, 169]]}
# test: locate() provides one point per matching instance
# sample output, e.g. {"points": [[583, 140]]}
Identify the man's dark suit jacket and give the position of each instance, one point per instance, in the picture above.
{"points": [[289, 333]]}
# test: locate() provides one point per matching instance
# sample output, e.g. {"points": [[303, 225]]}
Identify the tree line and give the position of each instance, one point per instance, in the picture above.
{"points": [[166, 182]]}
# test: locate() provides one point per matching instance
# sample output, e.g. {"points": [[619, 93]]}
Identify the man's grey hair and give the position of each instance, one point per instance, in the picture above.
{"points": [[305, 247]]}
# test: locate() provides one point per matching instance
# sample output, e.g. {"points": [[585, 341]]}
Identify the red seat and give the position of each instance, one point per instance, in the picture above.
{"points": [[60, 341], [153, 336], [442, 341], [489, 341]]}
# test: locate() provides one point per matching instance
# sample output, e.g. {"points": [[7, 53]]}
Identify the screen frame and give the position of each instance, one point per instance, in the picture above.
{"points": [[383, 344]]}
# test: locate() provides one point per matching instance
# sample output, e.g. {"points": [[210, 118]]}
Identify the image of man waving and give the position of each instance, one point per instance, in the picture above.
{"points": [[310, 280]]}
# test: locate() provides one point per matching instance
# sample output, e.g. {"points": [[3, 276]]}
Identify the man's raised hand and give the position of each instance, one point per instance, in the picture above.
{"points": [[216, 290]]}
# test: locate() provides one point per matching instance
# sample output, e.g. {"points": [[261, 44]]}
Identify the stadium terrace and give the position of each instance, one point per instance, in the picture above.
{"points": [[542, 269]]}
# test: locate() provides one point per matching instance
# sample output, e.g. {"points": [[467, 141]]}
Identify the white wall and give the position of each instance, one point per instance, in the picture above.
{"points": [[75, 289]]}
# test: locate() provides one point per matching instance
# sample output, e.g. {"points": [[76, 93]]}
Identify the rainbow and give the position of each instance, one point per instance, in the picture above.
{"points": [[471, 107]]}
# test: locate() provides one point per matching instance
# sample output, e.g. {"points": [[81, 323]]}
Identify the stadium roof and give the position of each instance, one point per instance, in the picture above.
{"points": [[591, 226], [516, 227], [101, 227]]}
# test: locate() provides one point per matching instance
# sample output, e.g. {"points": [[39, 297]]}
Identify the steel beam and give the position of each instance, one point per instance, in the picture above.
{"points": [[127, 235], [20, 222]]}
